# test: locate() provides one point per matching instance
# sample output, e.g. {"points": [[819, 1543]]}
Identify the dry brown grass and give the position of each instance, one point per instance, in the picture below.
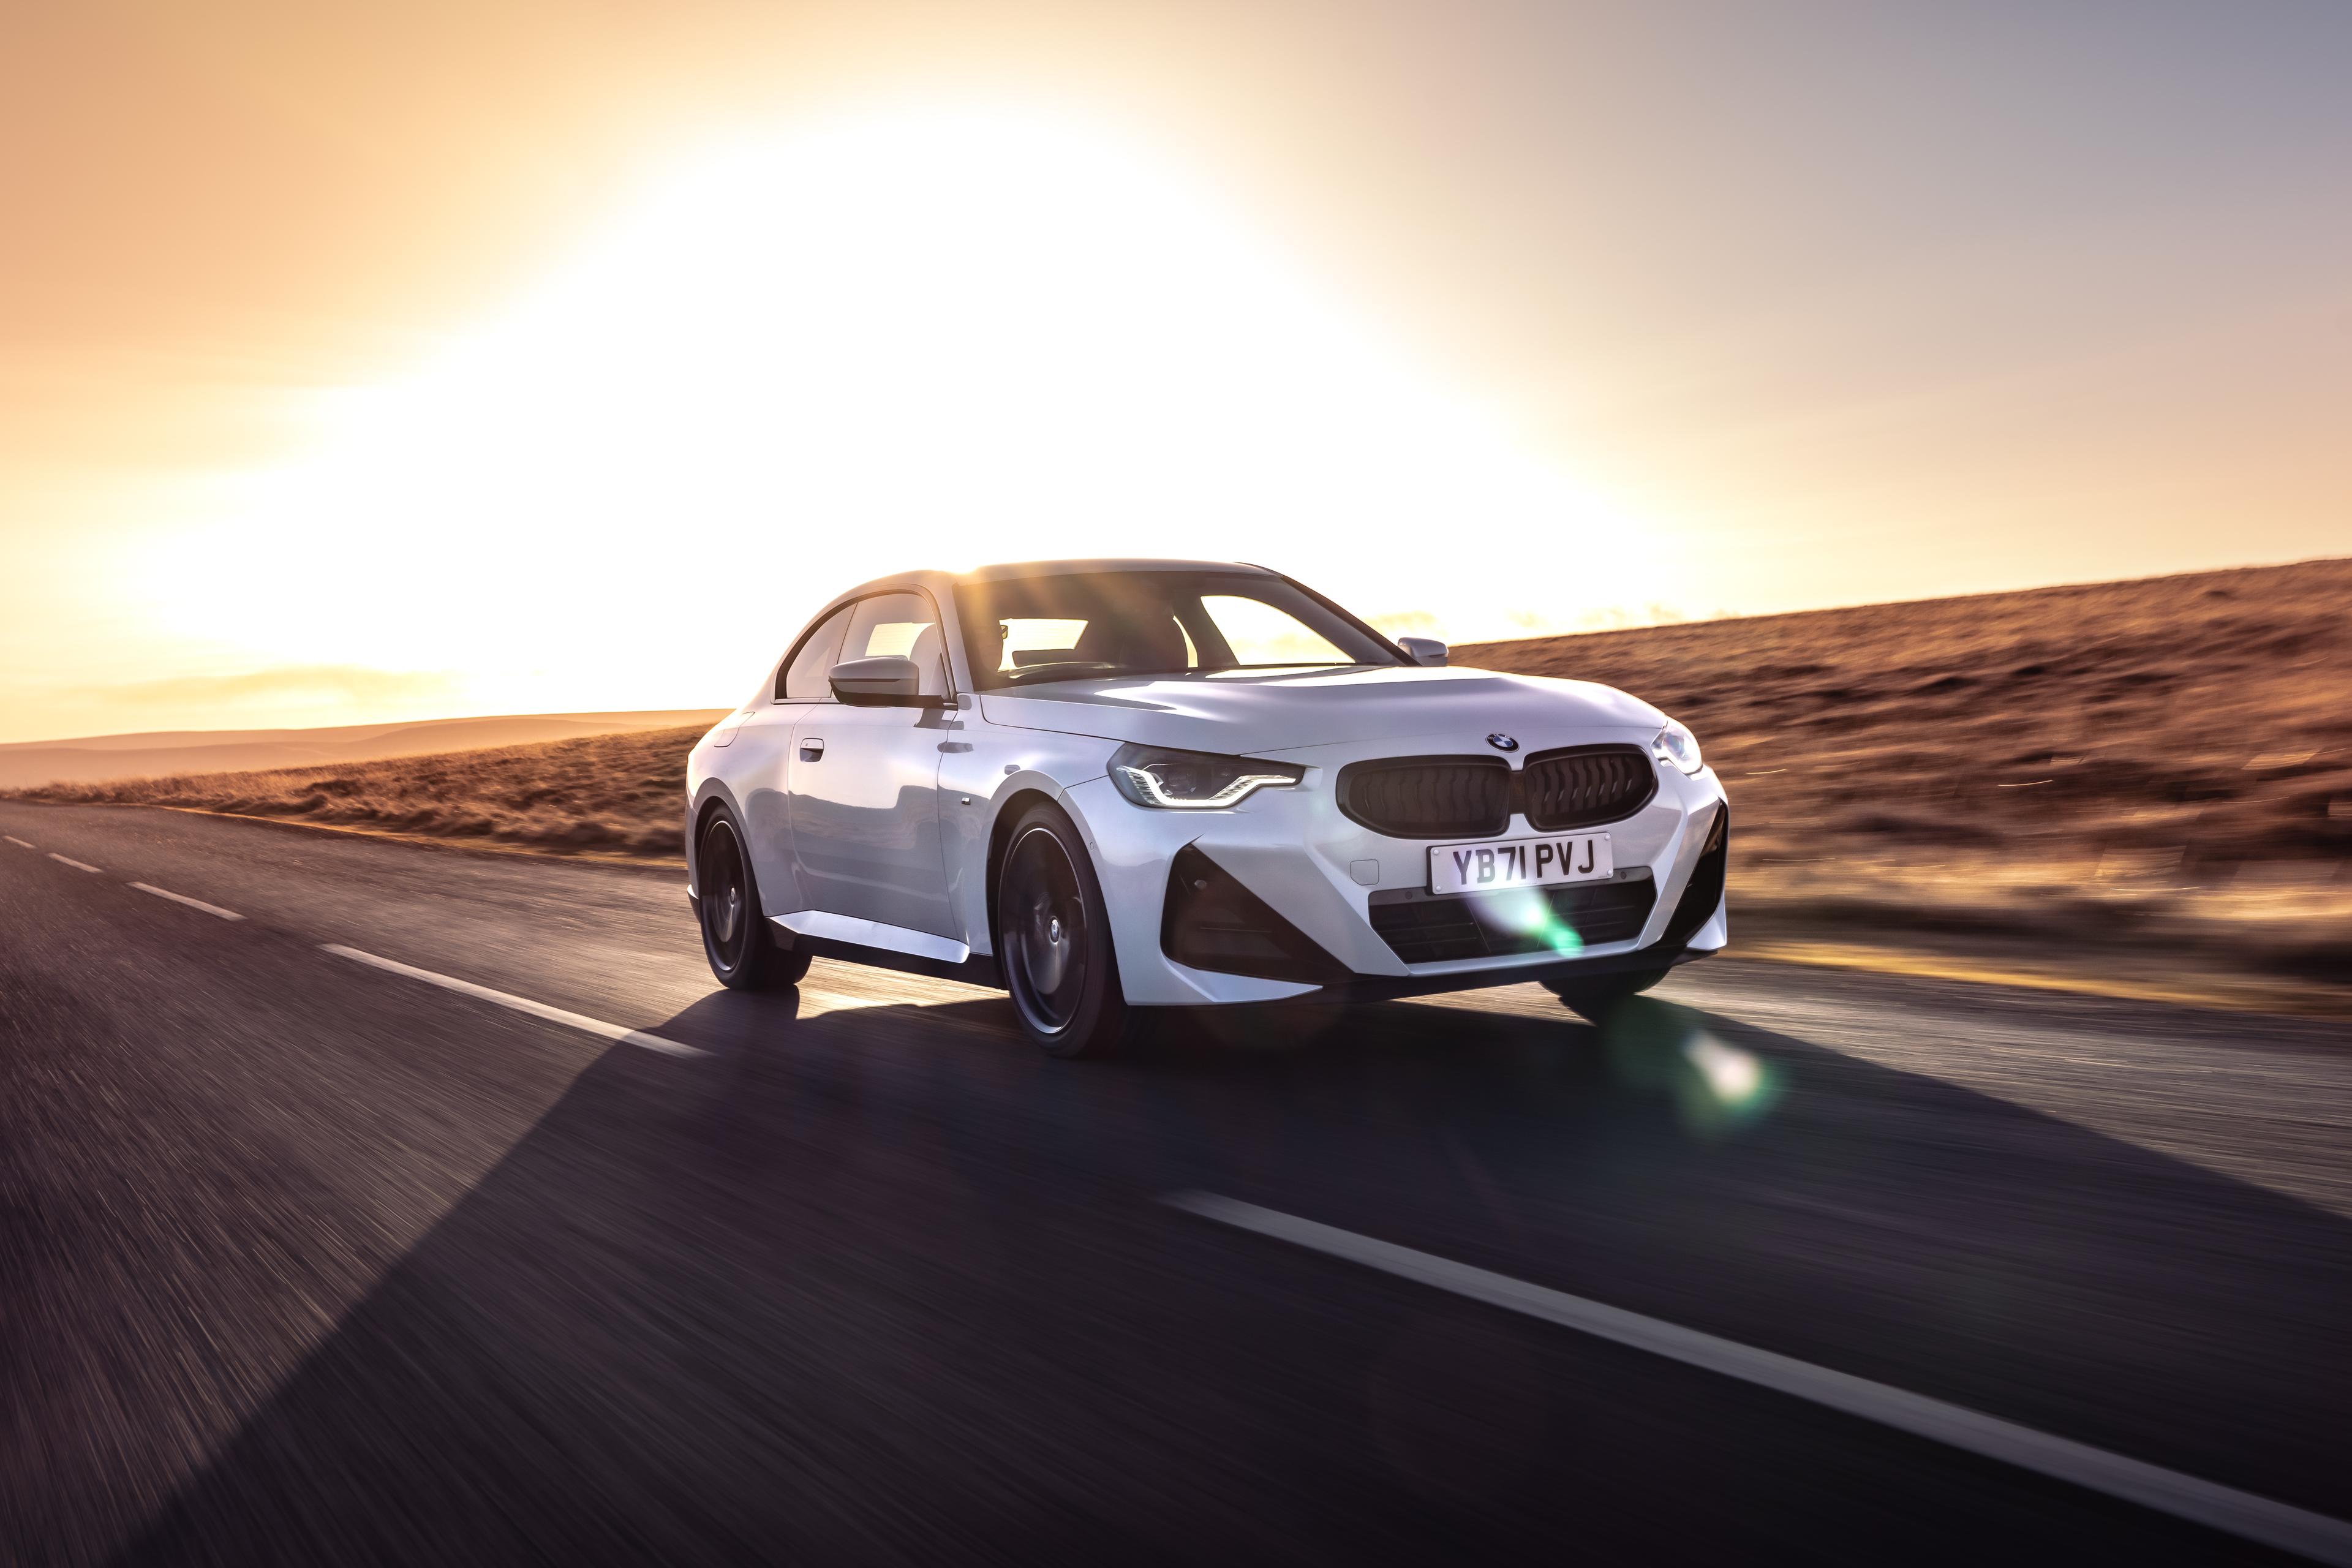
{"points": [[610, 794], [2163, 765]]}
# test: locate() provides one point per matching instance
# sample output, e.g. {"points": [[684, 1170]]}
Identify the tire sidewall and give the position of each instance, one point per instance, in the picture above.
{"points": [[1101, 1016], [1596, 1001], [763, 966]]}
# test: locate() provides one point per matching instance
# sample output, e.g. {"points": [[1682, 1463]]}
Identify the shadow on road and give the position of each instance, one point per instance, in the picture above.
{"points": [[882, 1284]]}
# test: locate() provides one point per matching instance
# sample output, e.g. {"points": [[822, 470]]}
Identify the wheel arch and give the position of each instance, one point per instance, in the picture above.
{"points": [[1010, 811], [713, 800]]}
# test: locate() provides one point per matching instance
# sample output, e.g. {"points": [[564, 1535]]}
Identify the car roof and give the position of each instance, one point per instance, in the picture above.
{"points": [[935, 581], [1064, 568]]}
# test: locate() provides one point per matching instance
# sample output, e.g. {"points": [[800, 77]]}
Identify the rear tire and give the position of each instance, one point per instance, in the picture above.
{"points": [[1052, 940], [1595, 1000], [736, 937]]}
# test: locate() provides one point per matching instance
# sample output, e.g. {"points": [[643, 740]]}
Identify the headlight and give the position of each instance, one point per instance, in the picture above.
{"points": [[1194, 780], [1678, 745]]}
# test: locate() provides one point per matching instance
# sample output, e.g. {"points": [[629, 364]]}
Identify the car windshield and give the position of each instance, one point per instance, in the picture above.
{"points": [[1089, 625]]}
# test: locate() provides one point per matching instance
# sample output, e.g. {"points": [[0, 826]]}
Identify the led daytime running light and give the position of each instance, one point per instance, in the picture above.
{"points": [[1170, 779], [1147, 785]]}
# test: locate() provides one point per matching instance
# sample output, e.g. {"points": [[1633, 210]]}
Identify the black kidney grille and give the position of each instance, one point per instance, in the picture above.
{"points": [[1462, 797], [1586, 785], [1428, 798], [1421, 928]]}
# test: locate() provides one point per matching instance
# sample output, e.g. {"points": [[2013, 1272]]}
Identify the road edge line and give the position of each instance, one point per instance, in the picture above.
{"points": [[579, 1021], [2241, 1514], [192, 903]]}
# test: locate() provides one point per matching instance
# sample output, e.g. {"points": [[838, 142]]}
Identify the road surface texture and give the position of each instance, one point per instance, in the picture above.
{"points": [[306, 1260]]}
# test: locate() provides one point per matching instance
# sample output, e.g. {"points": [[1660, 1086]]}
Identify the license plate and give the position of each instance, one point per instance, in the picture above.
{"points": [[1495, 864]]}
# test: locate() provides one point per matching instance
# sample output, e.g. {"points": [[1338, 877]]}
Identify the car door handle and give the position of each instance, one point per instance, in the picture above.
{"points": [[811, 750]]}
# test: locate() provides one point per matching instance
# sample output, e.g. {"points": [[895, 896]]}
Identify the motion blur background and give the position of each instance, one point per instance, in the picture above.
{"points": [[361, 365]]}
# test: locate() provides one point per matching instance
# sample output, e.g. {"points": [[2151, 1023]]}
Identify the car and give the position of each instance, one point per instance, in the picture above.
{"points": [[1115, 788]]}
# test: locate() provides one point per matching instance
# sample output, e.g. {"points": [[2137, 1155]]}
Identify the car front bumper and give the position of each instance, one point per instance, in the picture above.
{"points": [[1294, 850]]}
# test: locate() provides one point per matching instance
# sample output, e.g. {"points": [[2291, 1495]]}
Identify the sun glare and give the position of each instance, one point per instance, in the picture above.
{"points": [[891, 339]]}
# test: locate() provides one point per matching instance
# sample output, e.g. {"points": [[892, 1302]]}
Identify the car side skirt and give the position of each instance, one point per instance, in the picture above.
{"points": [[979, 969]]}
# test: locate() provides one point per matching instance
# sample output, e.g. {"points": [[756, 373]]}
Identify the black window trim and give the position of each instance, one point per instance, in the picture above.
{"points": [[817, 623]]}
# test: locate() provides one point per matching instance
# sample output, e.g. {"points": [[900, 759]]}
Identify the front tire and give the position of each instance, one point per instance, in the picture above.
{"points": [[1052, 940], [742, 950], [1595, 1000]]}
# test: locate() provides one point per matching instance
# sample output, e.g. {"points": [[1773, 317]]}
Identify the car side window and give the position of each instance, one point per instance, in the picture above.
{"points": [[803, 681], [900, 625]]}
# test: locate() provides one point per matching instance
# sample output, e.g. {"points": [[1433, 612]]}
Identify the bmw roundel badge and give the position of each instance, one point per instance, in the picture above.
{"points": [[1502, 742]]}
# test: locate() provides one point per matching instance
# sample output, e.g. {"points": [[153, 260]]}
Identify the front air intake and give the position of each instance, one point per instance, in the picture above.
{"points": [[1434, 927], [1212, 921], [1705, 889]]}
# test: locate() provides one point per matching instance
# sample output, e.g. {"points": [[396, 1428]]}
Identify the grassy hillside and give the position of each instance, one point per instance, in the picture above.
{"points": [[612, 795], [101, 758], [2150, 764]]}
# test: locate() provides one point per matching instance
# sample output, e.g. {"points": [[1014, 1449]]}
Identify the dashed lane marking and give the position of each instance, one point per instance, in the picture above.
{"points": [[2242, 1514], [76, 865], [192, 903], [17, 841], [521, 1004]]}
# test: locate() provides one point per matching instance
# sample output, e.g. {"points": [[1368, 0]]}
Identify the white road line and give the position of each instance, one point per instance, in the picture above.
{"points": [[524, 1004], [2241, 1514], [17, 841], [192, 903], [76, 865]]}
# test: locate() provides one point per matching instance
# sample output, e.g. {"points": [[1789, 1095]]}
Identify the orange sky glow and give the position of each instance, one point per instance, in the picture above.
{"points": [[364, 365]]}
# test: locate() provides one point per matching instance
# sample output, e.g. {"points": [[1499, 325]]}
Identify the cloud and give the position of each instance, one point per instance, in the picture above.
{"points": [[317, 685]]}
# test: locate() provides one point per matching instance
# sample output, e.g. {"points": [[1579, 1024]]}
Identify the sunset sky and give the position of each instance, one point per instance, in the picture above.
{"points": [[376, 363]]}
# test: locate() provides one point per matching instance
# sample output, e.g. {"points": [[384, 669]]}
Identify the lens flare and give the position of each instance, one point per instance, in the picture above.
{"points": [[1733, 1075], [1716, 1087], [1722, 1086], [1526, 912]]}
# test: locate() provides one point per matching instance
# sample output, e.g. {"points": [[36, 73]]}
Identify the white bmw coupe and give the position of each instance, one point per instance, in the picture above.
{"points": [[1111, 786]]}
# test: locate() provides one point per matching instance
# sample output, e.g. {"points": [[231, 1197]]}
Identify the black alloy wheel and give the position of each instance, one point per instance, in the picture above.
{"points": [[735, 937], [1052, 940]]}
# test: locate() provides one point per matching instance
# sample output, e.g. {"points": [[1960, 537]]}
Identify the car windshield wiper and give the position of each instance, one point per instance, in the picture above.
{"points": [[1079, 669], [1109, 671], [1225, 668], [1060, 669]]}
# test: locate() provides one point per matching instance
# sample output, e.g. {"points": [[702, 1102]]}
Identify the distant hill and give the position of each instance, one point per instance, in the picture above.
{"points": [[160, 754]]}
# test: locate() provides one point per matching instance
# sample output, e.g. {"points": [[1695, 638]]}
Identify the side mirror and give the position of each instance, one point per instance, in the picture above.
{"points": [[1423, 650], [886, 682]]}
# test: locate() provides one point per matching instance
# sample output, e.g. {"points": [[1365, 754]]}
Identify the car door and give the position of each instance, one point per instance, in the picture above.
{"points": [[865, 783], [761, 757]]}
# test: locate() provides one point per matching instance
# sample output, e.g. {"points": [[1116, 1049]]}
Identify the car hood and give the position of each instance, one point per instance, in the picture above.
{"points": [[1280, 712]]}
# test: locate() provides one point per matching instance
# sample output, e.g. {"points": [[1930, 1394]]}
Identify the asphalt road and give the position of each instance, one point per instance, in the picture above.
{"points": [[305, 1260]]}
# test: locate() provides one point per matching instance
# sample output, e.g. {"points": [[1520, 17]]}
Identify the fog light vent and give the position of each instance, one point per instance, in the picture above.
{"points": [[1705, 890], [1212, 921]]}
